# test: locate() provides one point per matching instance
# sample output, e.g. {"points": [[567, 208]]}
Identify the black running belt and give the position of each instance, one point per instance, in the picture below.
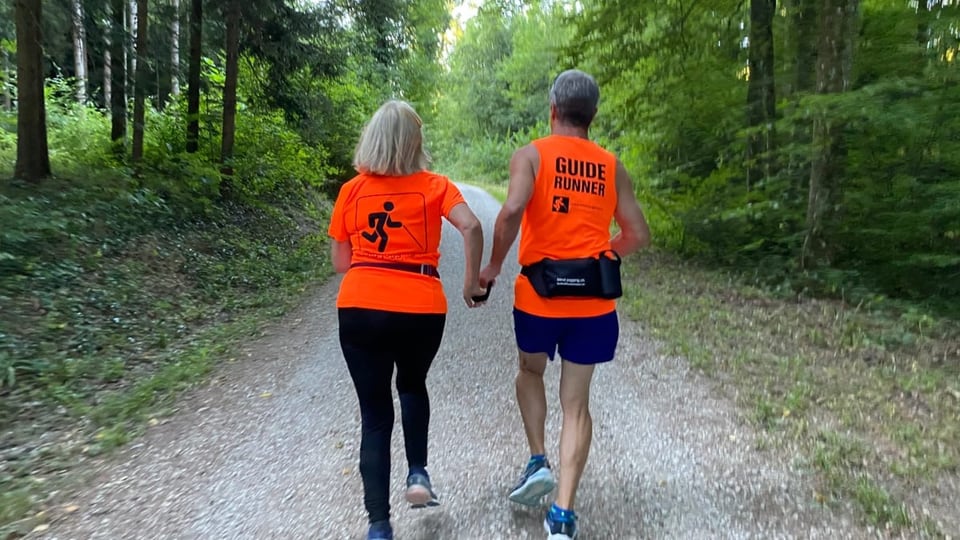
{"points": [[425, 269]]}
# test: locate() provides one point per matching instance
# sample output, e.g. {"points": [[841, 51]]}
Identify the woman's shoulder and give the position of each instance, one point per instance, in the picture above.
{"points": [[433, 176]]}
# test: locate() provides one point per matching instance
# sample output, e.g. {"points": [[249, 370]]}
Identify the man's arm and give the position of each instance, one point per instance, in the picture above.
{"points": [[523, 172], [634, 232]]}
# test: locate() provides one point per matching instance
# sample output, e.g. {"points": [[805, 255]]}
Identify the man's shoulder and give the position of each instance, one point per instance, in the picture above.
{"points": [[528, 151]]}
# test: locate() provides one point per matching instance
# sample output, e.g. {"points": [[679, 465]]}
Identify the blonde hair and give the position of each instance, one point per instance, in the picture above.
{"points": [[392, 142]]}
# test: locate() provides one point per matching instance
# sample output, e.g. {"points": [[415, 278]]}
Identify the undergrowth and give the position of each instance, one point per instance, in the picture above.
{"points": [[869, 395], [122, 286]]}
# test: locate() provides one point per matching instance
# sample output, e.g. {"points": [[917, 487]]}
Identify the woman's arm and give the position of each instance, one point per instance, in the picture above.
{"points": [[342, 255], [469, 226]]}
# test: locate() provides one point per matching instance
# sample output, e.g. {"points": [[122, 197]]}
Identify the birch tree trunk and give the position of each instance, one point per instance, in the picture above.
{"points": [[79, 51], [4, 78], [175, 49], [107, 69], [140, 88], [132, 38]]}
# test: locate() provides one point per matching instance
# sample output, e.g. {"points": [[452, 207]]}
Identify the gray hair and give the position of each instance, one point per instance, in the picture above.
{"points": [[392, 142], [575, 95]]}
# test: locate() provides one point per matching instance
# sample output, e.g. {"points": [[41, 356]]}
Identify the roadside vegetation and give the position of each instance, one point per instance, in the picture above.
{"points": [[865, 396], [121, 290]]}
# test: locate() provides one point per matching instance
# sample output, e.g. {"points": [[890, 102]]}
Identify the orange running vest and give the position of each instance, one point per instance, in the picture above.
{"points": [[568, 217]]}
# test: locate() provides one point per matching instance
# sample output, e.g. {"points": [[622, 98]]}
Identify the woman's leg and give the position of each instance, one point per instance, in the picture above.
{"points": [[371, 371], [422, 335]]}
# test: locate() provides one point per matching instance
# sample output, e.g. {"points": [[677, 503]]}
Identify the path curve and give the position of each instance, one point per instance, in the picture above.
{"points": [[268, 448]]}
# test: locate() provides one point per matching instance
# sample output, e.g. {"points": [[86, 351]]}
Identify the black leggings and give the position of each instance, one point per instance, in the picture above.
{"points": [[372, 342]]}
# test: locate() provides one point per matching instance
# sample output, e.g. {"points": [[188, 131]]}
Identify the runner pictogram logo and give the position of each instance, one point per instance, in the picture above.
{"points": [[381, 221], [561, 204]]}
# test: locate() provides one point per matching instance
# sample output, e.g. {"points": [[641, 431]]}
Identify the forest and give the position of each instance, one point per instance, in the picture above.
{"points": [[167, 166]]}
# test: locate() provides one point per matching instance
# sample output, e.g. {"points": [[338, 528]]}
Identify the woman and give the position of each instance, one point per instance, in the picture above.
{"points": [[386, 227]]}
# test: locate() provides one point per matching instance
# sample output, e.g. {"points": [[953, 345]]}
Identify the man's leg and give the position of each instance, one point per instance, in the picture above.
{"points": [[532, 399], [537, 479], [536, 342], [585, 343], [577, 431]]}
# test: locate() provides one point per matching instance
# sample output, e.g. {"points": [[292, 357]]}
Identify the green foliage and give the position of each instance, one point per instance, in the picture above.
{"points": [[341, 107], [871, 373], [484, 160], [673, 79], [74, 254], [500, 75]]}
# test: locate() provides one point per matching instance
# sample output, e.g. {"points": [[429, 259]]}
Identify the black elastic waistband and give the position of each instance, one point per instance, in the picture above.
{"points": [[425, 269]]}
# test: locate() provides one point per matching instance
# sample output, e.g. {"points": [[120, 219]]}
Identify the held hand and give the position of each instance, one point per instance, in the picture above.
{"points": [[475, 295], [488, 274]]}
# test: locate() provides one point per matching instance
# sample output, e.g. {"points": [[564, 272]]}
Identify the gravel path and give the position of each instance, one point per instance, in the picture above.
{"points": [[267, 449]]}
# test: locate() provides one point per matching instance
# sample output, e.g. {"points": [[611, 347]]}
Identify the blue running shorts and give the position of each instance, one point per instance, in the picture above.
{"points": [[581, 340]]}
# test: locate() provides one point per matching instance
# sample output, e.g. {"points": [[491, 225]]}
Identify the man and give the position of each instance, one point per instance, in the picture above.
{"points": [[564, 191]]}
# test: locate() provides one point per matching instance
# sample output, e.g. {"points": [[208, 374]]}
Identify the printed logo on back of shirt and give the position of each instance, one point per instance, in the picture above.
{"points": [[394, 223], [561, 204]]}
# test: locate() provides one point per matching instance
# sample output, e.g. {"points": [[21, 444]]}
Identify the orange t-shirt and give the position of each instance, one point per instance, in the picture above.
{"points": [[393, 219], [568, 217]]}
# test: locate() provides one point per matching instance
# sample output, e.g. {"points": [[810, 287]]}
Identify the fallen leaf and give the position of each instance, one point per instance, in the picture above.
{"points": [[338, 445], [265, 395], [41, 527], [347, 471], [153, 422], [70, 508]]}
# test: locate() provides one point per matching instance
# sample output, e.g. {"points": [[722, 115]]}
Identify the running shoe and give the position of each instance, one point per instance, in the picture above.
{"points": [[419, 492], [560, 529], [535, 483], [380, 530]]}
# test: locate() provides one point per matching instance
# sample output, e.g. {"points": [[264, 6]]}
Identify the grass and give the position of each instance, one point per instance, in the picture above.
{"points": [[499, 191], [114, 304], [868, 395]]}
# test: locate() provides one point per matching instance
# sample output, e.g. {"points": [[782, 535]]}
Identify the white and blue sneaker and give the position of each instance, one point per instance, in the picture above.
{"points": [[560, 528], [535, 483]]}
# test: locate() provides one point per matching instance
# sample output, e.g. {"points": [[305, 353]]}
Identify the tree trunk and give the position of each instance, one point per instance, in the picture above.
{"points": [[193, 77], [33, 157], [805, 28], [834, 61], [118, 77], [761, 93], [143, 74], [107, 71], [230, 90], [4, 78], [79, 51], [132, 40], [175, 49]]}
